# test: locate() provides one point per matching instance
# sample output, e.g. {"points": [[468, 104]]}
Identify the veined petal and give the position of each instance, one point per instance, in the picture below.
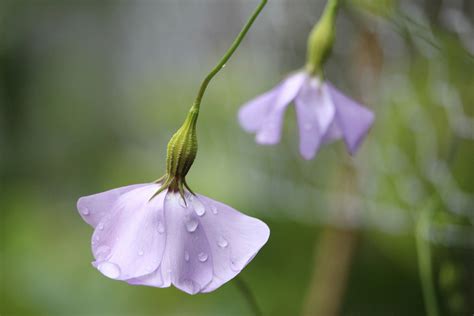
{"points": [[353, 119], [188, 258], [94, 207], [315, 112], [234, 238], [208, 244], [264, 114], [128, 242]]}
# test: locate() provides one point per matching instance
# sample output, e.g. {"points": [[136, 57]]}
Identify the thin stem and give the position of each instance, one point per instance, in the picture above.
{"points": [[424, 264], [249, 297], [228, 54]]}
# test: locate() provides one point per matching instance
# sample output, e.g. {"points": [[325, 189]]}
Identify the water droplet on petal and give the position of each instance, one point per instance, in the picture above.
{"points": [[109, 269], [161, 227], [85, 211], [199, 207], [202, 256], [192, 225], [186, 256], [100, 226], [234, 266], [214, 210], [222, 242], [140, 253]]}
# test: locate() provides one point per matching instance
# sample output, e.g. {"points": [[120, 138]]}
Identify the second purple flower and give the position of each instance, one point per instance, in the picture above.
{"points": [[324, 114]]}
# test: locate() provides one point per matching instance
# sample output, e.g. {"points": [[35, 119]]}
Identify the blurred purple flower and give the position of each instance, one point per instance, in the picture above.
{"points": [[323, 113], [197, 246]]}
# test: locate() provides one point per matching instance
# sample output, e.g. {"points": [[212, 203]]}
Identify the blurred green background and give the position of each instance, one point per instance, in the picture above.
{"points": [[91, 92]]}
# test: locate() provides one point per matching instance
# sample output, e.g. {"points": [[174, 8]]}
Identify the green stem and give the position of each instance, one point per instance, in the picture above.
{"points": [[247, 293], [424, 263], [228, 54]]}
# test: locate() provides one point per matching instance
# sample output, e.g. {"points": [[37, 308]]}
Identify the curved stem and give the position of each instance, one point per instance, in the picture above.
{"points": [[247, 293], [228, 54]]}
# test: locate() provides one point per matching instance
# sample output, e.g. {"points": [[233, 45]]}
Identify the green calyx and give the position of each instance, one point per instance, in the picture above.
{"points": [[182, 150], [321, 39]]}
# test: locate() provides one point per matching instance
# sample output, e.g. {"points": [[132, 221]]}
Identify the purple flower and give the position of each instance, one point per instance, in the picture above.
{"points": [[324, 114], [196, 245]]}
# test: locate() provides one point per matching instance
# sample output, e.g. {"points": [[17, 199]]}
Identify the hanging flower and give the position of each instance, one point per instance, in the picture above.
{"points": [[197, 244], [161, 233], [324, 114]]}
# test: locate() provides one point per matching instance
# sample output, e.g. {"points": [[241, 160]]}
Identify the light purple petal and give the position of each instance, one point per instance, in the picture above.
{"points": [[234, 238], [253, 113], [128, 242], [264, 115], [315, 112], [208, 244], [333, 133], [187, 249], [94, 207], [354, 120]]}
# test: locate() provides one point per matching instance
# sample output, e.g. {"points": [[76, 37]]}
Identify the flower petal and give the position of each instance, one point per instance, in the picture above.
{"points": [[234, 238], [128, 242], [188, 259], [208, 244], [264, 114], [253, 113], [94, 207], [315, 112], [353, 119], [270, 130]]}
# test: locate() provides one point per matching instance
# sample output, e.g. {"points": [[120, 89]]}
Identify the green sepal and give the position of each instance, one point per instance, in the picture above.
{"points": [[321, 39], [181, 153]]}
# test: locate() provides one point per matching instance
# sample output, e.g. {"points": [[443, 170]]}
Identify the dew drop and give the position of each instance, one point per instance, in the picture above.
{"points": [[202, 256], [192, 225], [100, 226], [161, 227], [186, 256], [85, 211], [222, 242], [199, 207], [234, 266], [109, 269], [140, 253], [214, 210]]}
